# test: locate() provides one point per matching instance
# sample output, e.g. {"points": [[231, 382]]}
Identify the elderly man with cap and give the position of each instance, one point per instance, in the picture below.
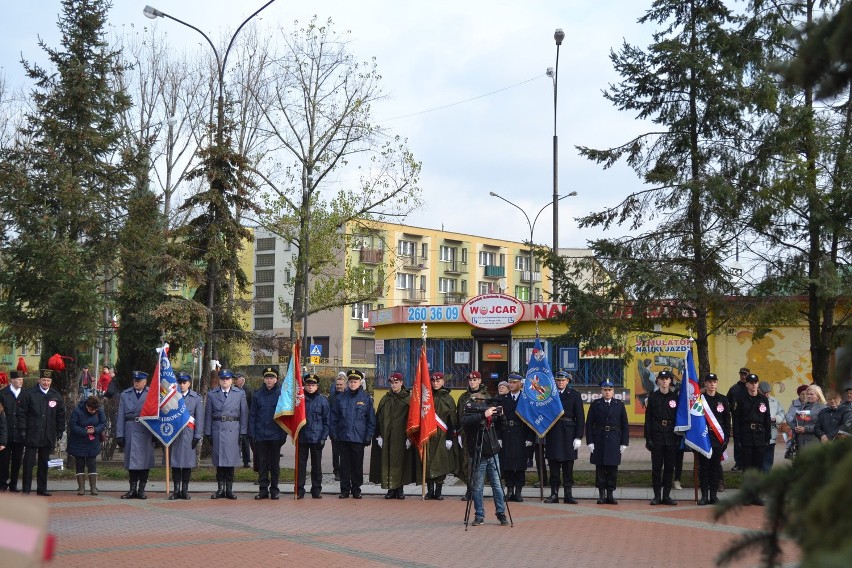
{"points": [[752, 426], [516, 438], [474, 386], [225, 425], [392, 460], [735, 393], [607, 435], [312, 436], [267, 435], [353, 424], [564, 439], [41, 422], [660, 437], [182, 450], [133, 437], [710, 469], [337, 389], [440, 457], [246, 449], [12, 456]]}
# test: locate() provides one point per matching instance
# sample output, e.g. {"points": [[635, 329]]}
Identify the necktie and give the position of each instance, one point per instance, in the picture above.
{"points": [[226, 394]]}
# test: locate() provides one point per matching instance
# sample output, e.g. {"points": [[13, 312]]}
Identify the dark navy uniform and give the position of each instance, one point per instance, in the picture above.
{"points": [[560, 442], [41, 422], [267, 434], [661, 440], [515, 436], [607, 430], [182, 449], [752, 426], [132, 436], [12, 456], [710, 469]]}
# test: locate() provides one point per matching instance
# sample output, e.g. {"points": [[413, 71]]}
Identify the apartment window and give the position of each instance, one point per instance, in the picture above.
{"points": [[487, 258], [485, 288], [522, 293], [522, 263], [361, 310], [405, 281], [264, 291], [266, 243], [263, 308], [264, 276], [37, 348], [262, 324], [25, 349], [446, 285], [287, 276], [424, 250], [446, 254], [406, 248], [265, 260]]}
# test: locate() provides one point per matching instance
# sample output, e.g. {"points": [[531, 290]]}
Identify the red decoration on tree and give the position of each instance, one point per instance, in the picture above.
{"points": [[56, 363], [22, 365]]}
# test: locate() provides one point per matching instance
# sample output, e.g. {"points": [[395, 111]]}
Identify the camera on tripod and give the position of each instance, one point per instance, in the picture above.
{"points": [[479, 406]]}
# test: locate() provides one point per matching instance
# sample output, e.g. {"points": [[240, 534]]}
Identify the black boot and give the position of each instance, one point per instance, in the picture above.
{"points": [[400, 493], [510, 493], [518, 497], [610, 499], [554, 495], [713, 497], [229, 490], [667, 498], [175, 494], [601, 497], [141, 493], [390, 494], [220, 491], [656, 500], [184, 490], [438, 488], [264, 494], [132, 493], [430, 490], [705, 500], [569, 498]]}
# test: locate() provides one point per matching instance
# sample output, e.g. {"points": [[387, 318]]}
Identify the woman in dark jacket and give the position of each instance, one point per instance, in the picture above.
{"points": [[84, 441], [834, 421]]}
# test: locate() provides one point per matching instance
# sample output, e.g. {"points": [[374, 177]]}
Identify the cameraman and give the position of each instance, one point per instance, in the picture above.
{"points": [[479, 421]]}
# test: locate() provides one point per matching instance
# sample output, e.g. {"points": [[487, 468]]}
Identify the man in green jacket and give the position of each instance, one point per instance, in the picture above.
{"points": [[392, 460]]}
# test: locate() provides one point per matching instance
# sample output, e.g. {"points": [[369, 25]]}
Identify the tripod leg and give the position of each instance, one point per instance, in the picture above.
{"points": [[471, 483], [496, 463]]}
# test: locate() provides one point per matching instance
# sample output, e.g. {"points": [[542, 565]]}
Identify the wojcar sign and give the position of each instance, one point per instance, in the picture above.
{"points": [[493, 311]]}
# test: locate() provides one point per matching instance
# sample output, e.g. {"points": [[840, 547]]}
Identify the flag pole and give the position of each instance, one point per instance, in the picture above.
{"points": [[168, 470], [297, 368], [424, 450], [539, 450]]}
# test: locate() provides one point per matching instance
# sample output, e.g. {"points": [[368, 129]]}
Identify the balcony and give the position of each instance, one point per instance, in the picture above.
{"points": [[454, 267], [413, 296], [492, 271], [455, 298], [414, 262], [371, 256], [364, 326], [525, 277]]}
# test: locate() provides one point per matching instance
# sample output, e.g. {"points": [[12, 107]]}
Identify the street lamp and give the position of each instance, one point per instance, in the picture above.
{"points": [[553, 73], [531, 225], [216, 183]]}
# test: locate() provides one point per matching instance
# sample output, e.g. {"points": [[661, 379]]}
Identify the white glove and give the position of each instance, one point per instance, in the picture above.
{"points": [[407, 443], [621, 449], [459, 439], [500, 443], [528, 443], [592, 448], [379, 441], [577, 443], [449, 444]]}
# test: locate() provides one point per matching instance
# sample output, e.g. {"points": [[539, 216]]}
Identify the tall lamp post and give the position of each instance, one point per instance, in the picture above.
{"points": [[215, 185], [553, 73], [531, 225]]}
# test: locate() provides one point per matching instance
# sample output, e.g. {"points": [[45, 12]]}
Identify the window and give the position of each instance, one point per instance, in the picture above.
{"points": [[485, 288], [264, 276], [287, 276], [487, 258], [522, 293], [264, 291], [263, 324], [464, 256], [263, 308], [447, 254], [446, 285], [522, 263], [266, 243], [265, 260], [404, 281], [361, 310], [406, 248], [424, 251], [25, 349]]}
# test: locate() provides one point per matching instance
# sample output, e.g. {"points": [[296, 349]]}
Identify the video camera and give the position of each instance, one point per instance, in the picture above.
{"points": [[479, 406]]}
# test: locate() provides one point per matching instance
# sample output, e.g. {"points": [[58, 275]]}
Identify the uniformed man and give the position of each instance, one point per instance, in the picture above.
{"points": [[182, 449], [312, 436], [440, 457], [133, 437], [268, 436], [41, 422], [12, 456], [392, 460], [660, 437], [225, 424], [353, 424], [564, 439], [737, 391], [752, 426], [338, 389], [516, 437], [710, 469], [607, 436], [246, 449], [474, 386]]}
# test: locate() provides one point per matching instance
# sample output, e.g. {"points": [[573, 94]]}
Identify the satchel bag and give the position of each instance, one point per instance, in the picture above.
{"points": [[792, 449]]}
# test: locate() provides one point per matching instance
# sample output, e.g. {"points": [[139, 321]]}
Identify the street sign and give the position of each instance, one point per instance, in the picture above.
{"points": [[315, 360], [316, 350]]}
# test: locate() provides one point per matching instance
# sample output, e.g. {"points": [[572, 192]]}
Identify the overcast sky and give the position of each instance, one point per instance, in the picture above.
{"points": [[433, 55]]}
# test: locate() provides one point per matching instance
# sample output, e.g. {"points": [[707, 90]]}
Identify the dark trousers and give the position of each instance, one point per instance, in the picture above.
{"points": [[335, 456], [268, 457], [752, 457], [606, 476], [351, 467], [82, 463], [662, 466], [710, 470], [245, 450], [768, 458], [11, 459], [515, 478], [31, 453], [678, 466], [561, 473], [224, 474], [315, 450]]}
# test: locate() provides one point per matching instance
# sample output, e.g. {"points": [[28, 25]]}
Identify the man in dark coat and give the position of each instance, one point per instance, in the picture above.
{"points": [[392, 460], [735, 393], [710, 469], [660, 437], [246, 449], [182, 450], [268, 436], [41, 422], [12, 456], [440, 458], [516, 437], [312, 437], [353, 424], [225, 423], [752, 427], [133, 437], [474, 386], [607, 436], [564, 439], [336, 390]]}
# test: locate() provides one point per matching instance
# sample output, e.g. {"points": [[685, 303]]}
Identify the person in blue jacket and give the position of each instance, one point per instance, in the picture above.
{"points": [[268, 436], [607, 436], [353, 423], [84, 441], [312, 437], [182, 450]]}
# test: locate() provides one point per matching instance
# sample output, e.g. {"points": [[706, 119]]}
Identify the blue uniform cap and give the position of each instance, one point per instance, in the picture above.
{"points": [[564, 375], [140, 376], [515, 377], [354, 374], [226, 374], [183, 377], [607, 384]]}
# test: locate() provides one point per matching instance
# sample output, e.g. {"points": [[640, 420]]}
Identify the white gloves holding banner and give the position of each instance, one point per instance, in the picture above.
{"points": [[449, 444], [460, 444], [407, 443], [592, 448], [528, 443], [379, 441], [577, 444], [621, 449]]}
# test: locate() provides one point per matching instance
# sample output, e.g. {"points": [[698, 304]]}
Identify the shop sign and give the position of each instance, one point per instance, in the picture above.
{"points": [[493, 311]]}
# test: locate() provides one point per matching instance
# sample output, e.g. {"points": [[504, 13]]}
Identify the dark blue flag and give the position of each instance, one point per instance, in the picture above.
{"points": [[539, 405]]}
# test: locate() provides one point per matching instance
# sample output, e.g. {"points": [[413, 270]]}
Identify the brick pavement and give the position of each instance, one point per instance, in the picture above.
{"points": [[104, 531]]}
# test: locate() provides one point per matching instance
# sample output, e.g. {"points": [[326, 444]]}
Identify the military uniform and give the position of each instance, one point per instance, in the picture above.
{"points": [[560, 442], [312, 438], [41, 422], [607, 429], [132, 436], [752, 427], [710, 469], [12, 456], [225, 422], [440, 459], [661, 440], [515, 436], [352, 424], [392, 464], [182, 450], [267, 434]]}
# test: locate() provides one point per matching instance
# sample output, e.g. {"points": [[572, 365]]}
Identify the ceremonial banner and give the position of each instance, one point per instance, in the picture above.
{"points": [[290, 410], [690, 420], [539, 406], [422, 422], [164, 412]]}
